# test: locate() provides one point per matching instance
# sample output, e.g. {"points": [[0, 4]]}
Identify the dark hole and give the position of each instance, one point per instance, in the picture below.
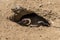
{"points": [[32, 16]]}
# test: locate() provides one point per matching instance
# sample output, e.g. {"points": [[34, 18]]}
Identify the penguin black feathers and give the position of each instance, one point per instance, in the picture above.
{"points": [[33, 20], [29, 19]]}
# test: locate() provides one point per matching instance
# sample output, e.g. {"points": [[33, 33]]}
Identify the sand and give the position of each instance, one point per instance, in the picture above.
{"points": [[12, 31]]}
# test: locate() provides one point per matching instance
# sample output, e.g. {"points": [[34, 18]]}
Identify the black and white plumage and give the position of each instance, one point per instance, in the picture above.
{"points": [[33, 20], [30, 19]]}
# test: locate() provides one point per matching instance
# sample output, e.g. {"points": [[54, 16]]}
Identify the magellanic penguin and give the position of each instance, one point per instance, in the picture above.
{"points": [[28, 18], [33, 20]]}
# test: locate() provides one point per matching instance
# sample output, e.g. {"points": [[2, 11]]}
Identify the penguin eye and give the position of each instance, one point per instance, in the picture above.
{"points": [[25, 21]]}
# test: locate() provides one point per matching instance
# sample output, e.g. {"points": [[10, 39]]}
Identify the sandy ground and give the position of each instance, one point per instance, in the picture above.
{"points": [[12, 31]]}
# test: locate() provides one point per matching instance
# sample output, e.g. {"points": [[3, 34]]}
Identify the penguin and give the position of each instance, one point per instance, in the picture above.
{"points": [[25, 17], [33, 20]]}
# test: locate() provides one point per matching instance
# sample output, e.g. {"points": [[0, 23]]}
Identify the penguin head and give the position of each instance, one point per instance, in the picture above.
{"points": [[25, 22]]}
